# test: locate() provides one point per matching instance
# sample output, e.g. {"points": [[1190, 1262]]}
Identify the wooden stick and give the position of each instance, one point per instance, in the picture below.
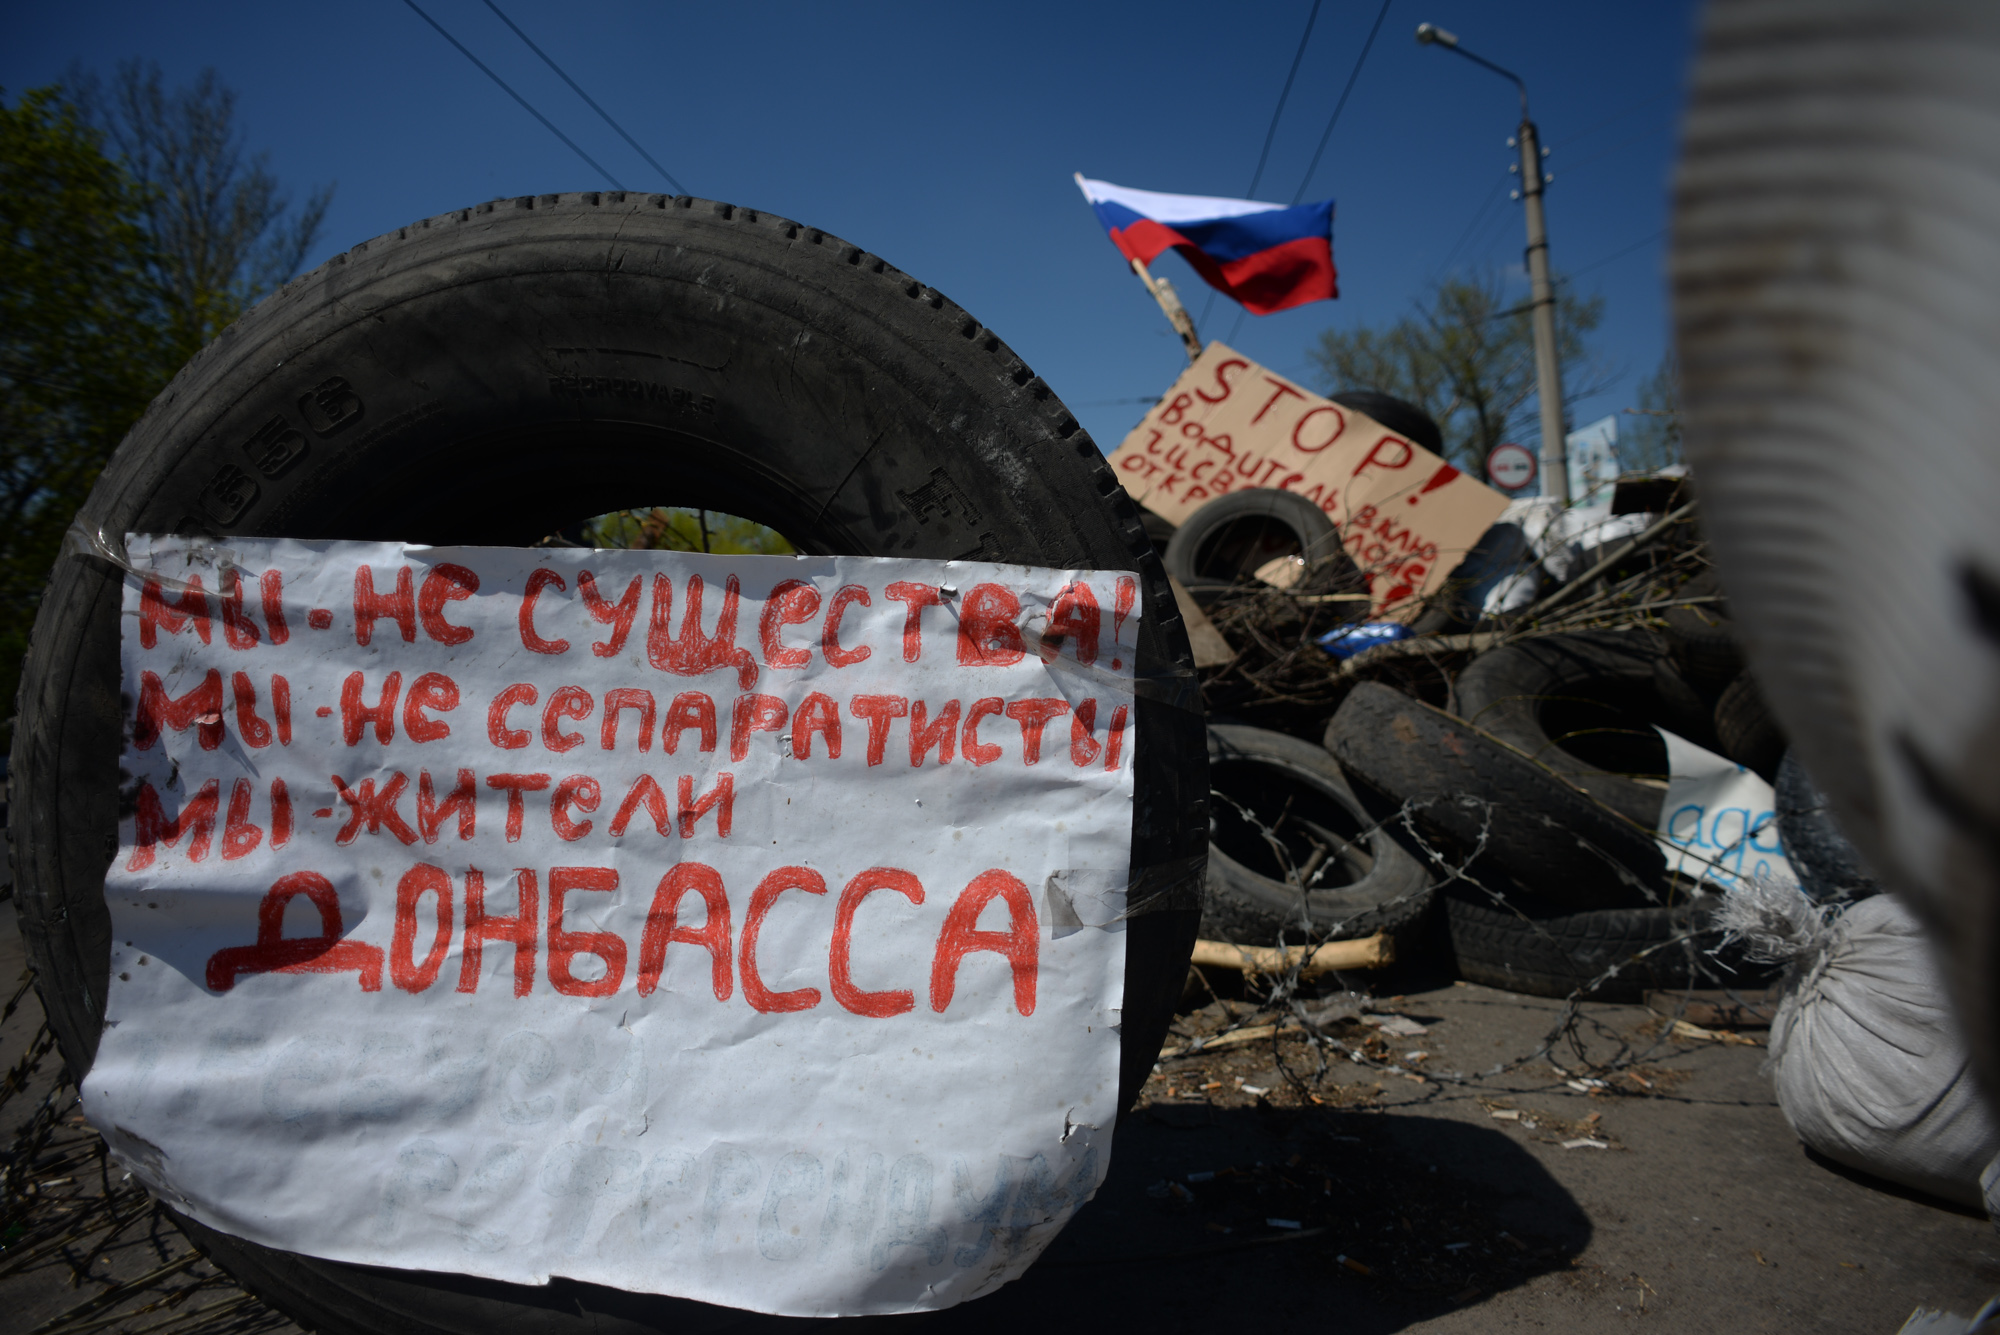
{"points": [[1170, 302], [1574, 586], [1234, 1038], [1369, 952]]}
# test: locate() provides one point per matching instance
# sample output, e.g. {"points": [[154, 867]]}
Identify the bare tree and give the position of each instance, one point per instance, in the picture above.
{"points": [[223, 230], [1467, 358]]}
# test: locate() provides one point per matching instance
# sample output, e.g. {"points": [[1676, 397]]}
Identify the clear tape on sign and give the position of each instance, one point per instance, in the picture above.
{"points": [[1718, 820], [1081, 897], [1176, 687], [82, 540]]}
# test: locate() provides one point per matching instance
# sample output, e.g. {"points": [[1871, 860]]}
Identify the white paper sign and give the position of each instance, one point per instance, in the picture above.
{"points": [[695, 925], [1719, 822]]}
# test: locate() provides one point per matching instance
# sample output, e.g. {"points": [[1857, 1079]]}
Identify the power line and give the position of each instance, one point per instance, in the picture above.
{"points": [[1489, 234], [678, 187], [1478, 220], [1331, 121], [1621, 145], [525, 104], [1312, 17], [1279, 111], [1338, 106], [1618, 254], [1238, 325]]}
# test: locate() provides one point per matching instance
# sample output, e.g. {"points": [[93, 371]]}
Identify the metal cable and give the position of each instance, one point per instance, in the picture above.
{"points": [[527, 106], [1339, 106], [578, 90]]}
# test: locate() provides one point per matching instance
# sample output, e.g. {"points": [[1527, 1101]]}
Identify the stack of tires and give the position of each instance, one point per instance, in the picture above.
{"points": [[1524, 812], [1295, 855], [1536, 799]]}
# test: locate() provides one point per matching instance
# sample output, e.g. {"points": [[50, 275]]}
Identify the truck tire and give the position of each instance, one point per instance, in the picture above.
{"points": [[1399, 415], [1545, 950], [1830, 869], [1370, 884], [1584, 705], [495, 374], [1747, 731], [1703, 637], [1217, 550], [1480, 797]]}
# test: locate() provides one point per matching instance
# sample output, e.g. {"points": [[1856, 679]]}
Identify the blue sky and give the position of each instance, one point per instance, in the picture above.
{"points": [[942, 137]]}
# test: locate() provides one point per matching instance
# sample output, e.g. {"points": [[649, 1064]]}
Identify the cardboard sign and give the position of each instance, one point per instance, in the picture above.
{"points": [[746, 929], [1406, 515]]}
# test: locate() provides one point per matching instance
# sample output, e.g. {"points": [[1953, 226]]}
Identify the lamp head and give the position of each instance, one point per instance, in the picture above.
{"points": [[1427, 33]]}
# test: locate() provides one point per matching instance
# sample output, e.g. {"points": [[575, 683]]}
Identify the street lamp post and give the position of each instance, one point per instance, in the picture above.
{"points": [[1542, 297]]}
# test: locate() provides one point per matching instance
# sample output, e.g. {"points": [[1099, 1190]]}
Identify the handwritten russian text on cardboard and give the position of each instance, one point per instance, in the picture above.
{"points": [[1406, 516]]}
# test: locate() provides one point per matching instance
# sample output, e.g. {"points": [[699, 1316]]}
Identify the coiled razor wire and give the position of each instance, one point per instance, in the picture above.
{"points": [[1285, 985], [65, 1203]]}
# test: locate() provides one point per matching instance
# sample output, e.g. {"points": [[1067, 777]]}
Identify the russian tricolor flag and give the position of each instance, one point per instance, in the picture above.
{"points": [[1266, 256]]}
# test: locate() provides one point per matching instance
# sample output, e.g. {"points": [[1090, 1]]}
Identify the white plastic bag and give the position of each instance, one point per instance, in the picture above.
{"points": [[1869, 1066]]}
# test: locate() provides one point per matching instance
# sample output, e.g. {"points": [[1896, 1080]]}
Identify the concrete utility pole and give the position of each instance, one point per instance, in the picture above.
{"points": [[1542, 295], [1542, 298]]}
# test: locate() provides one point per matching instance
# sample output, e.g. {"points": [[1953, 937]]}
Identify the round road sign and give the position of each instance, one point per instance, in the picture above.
{"points": [[1510, 467]]}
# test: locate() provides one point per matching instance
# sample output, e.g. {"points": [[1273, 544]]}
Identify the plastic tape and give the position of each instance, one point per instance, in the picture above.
{"points": [[1080, 897]]}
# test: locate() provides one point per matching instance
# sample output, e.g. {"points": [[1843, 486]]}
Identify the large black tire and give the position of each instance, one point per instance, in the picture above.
{"points": [[1217, 550], [1584, 705], [1399, 415], [493, 375], [332, 1298], [1529, 945], [1480, 797], [1746, 730], [1703, 636], [1362, 881], [1830, 869]]}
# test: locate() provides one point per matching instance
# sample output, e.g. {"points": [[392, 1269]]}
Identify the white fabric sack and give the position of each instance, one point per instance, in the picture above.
{"points": [[1869, 1066], [1556, 538]]}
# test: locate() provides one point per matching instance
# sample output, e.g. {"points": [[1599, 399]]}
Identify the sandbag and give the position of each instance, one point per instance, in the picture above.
{"points": [[1870, 1068]]}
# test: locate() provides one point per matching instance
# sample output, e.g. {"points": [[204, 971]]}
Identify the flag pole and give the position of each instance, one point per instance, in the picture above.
{"points": [[1163, 292], [1170, 302]]}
